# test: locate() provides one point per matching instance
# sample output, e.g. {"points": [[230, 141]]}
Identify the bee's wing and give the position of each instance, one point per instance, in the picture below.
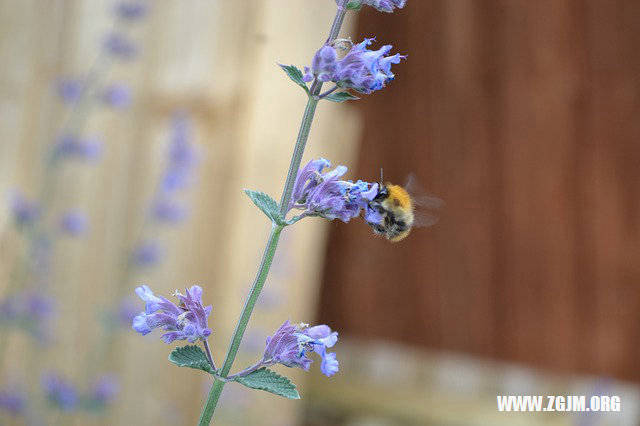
{"points": [[426, 205], [412, 185], [426, 210], [428, 201]]}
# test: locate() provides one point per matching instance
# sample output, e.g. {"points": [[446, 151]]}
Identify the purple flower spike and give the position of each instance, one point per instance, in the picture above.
{"points": [[74, 223], [185, 321], [131, 10], [104, 390], [360, 69], [12, 401], [69, 89], [290, 345], [89, 149], [120, 47], [148, 253], [168, 211], [322, 194], [25, 211], [60, 392], [117, 96]]}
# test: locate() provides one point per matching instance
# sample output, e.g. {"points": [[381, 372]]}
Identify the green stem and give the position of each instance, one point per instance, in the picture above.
{"points": [[272, 243], [250, 303]]}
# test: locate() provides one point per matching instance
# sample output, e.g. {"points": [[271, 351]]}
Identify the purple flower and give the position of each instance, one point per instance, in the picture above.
{"points": [[89, 149], [69, 89], [25, 211], [182, 156], [325, 63], [74, 223], [120, 47], [30, 312], [168, 211], [131, 10], [322, 194], [381, 5], [60, 392], [360, 69], [290, 345], [185, 321], [12, 401], [9, 309], [103, 391], [148, 253], [38, 306], [117, 96]]}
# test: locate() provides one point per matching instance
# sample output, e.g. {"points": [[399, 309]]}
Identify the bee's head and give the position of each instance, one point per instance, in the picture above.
{"points": [[382, 194]]}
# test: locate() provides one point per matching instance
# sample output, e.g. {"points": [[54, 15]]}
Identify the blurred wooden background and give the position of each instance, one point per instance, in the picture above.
{"points": [[524, 116], [217, 60]]}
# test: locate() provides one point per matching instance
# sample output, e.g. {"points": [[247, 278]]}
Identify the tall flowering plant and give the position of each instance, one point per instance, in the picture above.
{"points": [[348, 67]]}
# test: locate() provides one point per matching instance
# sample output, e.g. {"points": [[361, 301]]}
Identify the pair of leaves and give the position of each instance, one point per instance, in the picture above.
{"points": [[295, 74], [263, 379]]}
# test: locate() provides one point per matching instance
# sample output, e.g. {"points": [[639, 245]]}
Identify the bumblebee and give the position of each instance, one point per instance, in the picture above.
{"points": [[392, 213]]}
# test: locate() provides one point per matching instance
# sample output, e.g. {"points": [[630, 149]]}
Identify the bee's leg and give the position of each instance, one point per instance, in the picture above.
{"points": [[396, 228], [378, 229]]}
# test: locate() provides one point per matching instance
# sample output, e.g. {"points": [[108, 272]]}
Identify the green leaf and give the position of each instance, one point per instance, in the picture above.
{"points": [[267, 204], [354, 5], [270, 381], [295, 75], [341, 97], [190, 356]]}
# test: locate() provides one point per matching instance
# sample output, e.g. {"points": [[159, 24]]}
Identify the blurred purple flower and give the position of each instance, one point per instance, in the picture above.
{"points": [[360, 69], [9, 309], [119, 46], [31, 312], [168, 211], [117, 96], [182, 155], [60, 392], [175, 179], [74, 223], [186, 321], [181, 159], [148, 253], [131, 10], [103, 391], [39, 306], [89, 149], [12, 401], [382, 5], [25, 211], [290, 344], [322, 194], [69, 89]]}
